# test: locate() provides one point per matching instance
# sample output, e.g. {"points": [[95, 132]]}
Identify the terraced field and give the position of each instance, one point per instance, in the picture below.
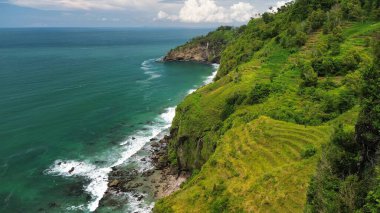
{"points": [[264, 166]]}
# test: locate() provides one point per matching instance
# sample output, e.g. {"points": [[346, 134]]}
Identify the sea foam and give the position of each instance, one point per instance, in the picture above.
{"points": [[149, 69], [98, 176]]}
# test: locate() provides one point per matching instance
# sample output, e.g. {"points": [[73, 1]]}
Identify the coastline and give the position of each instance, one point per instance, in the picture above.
{"points": [[148, 175]]}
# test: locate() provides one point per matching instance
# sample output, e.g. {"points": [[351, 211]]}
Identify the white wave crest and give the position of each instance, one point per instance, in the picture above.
{"points": [[149, 69], [98, 176]]}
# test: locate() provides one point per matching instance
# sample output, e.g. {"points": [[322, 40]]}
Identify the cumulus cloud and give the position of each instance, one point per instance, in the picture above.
{"points": [[82, 4], [279, 4], [199, 11]]}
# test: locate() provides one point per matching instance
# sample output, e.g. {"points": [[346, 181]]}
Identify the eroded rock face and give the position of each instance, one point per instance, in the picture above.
{"points": [[198, 53]]}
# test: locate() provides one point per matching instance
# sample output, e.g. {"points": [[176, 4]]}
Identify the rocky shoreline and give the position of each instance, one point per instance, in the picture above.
{"points": [[147, 185]]}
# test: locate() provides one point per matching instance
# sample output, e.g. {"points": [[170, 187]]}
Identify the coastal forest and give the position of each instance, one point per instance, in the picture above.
{"points": [[292, 121]]}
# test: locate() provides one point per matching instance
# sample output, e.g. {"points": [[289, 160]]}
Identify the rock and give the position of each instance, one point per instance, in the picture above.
{"points": [[133, 138], [153, 139], [139, 198], [114, 183], [71, 170], [133, 186], [147, 173], [143, 159], [155, 145], [197, 53]]}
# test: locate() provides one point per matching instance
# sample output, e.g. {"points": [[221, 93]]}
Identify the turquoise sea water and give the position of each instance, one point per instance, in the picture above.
{"points": [[79, 96]]}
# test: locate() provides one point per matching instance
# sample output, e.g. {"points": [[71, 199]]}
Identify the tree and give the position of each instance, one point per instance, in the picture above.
{"points": [[352, 9], [368, 126], [317, 19], [308, 75]]}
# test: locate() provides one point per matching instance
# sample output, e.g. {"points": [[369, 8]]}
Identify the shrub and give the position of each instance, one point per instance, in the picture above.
{"points": [[373, 200], [352, 9], [308, 152], [334, 19], [220, 205], [324, 66], [227, 111], [317, 19], [308, 75], [259, 93], [236, 99]]}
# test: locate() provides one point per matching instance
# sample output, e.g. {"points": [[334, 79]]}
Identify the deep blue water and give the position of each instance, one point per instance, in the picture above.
{"points": [[79, 95]]}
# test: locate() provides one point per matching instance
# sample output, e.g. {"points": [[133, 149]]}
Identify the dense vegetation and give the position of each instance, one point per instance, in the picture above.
{"points": [[292, 121], [348, 178]]}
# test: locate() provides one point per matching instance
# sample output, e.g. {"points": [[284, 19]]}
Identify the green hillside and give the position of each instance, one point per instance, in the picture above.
{"points": [[261, 166], [289, 86]]}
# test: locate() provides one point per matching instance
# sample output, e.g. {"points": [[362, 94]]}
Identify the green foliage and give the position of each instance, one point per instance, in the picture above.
{"points": [[308, 75], [220, 131], [162, 207], [231, 102], [372, 202], [259, 93], [220, 205], [335, 186], [316, 20], [334, 19], [348, 174], [227, 111], [329, 66], [352, 9], [369, 121], [309, 152]]}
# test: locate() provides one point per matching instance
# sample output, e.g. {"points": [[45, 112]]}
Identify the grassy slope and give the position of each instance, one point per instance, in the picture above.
{"points": [[250, 159], [257, 165]]}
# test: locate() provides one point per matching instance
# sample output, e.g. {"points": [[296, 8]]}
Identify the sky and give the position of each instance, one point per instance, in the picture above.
{"points": [[131, 13]]}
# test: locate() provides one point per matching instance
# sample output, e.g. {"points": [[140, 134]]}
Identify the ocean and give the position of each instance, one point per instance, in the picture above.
{"points": [[87, 99]]}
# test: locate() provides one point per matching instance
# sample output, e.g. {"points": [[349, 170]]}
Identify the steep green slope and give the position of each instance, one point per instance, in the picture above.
{"points": [[296, 67], [263, 166]]}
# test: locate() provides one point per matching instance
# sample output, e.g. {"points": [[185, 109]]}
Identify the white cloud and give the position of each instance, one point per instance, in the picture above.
{"points": [[164, 15], [198, 11], [83, 4], [242, 12], [279, 4]]}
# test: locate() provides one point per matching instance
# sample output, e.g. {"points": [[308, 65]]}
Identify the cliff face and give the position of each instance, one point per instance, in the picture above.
{"points": [[204, 49], [197, 53]]}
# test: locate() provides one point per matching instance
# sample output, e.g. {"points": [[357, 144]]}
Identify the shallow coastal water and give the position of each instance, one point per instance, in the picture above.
{"points": [[86, 99]]}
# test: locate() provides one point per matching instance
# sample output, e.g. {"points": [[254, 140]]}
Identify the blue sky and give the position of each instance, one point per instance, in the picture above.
{"points": [[130, 13]]}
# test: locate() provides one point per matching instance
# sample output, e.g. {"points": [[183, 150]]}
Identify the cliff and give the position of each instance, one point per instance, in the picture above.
{"points": [[199, 53], [253, 139], [204, 49]]}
